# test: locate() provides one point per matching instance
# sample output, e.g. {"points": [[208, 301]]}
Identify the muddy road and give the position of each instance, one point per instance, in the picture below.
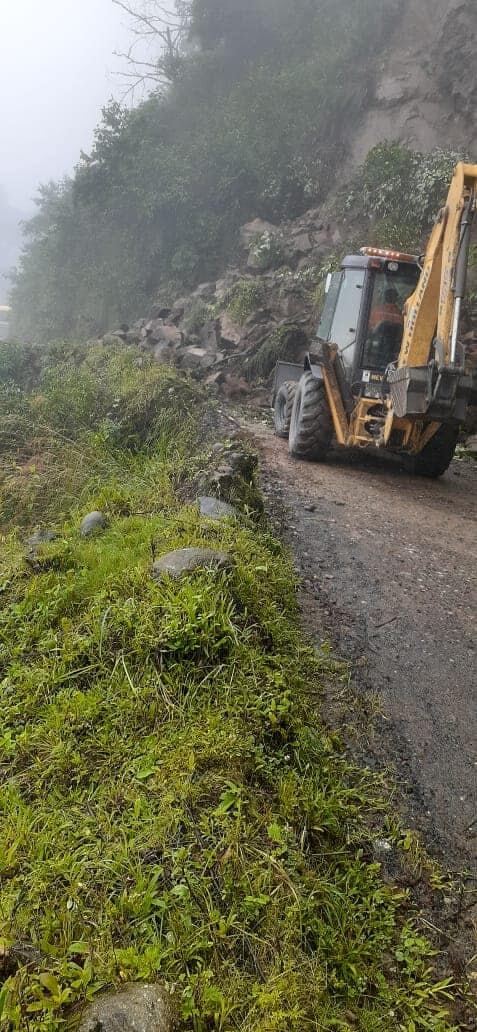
{"points": [[389, 565]]}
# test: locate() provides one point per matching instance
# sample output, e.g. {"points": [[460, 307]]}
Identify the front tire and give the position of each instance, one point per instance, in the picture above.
{"points": [[284, 407], [437, 455], [311, 428]]}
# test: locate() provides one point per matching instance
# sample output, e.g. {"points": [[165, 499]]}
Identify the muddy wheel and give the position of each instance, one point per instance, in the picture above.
{"points": [[284, 407], [311, 428], [437, 455]]}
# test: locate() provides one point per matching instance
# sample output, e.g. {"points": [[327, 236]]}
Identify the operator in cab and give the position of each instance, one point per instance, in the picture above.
{"points": [[387, 311]]}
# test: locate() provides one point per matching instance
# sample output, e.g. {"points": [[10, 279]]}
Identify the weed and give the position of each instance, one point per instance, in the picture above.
{"points": [[244, 298], [170, 806]]}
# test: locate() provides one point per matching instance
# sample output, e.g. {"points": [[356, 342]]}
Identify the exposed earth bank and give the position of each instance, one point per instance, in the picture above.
{"points": [[389, 566]]}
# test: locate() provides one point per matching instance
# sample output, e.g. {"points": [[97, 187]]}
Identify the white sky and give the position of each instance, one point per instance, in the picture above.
{"points": [[57, 69]]}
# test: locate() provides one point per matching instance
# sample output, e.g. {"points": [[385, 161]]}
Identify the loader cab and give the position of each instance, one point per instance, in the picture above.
{"points": [[363, 316]]}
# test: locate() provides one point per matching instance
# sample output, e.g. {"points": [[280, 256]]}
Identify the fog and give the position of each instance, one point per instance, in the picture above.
{"points": [[57, 69]]}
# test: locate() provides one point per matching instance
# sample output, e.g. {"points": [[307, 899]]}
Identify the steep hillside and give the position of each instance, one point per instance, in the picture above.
{"points": [[270, 109], [425, 94]]}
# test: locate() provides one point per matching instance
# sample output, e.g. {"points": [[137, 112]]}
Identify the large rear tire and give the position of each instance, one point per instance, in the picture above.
{"points": [[311, 428], [437, 455], [284, 407]]}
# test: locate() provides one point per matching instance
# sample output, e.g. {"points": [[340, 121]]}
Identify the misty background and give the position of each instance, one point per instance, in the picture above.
{"points": [[57, 70]]}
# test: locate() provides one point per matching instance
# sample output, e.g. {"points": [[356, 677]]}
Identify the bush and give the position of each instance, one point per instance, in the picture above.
{"points": [[285, 342], [401, 191], [77, 426], [168, 810], [244, 298]]}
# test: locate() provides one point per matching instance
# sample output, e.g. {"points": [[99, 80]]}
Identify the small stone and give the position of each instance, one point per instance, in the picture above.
{"points": [[310, 508], [136, 1008], [382, 846], [186, 560], [93, 523], [41, 537], [215, 509]]}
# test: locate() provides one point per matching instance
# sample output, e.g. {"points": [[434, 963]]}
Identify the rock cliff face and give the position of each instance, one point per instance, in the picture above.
{"points": [[426, 90]]}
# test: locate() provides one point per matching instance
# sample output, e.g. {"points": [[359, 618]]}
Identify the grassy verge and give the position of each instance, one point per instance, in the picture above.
{"points": [[170, 806]]}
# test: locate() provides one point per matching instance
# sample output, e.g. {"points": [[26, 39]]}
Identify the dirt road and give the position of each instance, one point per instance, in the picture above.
{"points": [[389, 564]]}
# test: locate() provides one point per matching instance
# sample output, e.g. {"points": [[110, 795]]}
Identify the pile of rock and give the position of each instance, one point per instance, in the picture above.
{"points": [[230, 332]]}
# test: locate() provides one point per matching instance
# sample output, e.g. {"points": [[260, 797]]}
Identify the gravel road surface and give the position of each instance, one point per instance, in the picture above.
{"points": [[389, 564]]}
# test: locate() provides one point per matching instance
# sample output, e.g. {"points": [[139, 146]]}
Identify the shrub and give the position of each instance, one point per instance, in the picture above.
{"points": [[401, 191], [244, 298], [285, 342]]}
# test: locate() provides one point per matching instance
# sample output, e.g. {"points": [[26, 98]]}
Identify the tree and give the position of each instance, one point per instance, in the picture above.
{"points": [[154, 59]]}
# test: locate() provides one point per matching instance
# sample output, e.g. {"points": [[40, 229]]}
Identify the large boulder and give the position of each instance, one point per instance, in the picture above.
{"points": [[186, 560], [194, 358], [301, 244], [136, 1008], [230, 333], [256, 228], [215, 509], [93, 524], [156, 330], [209, 335]]}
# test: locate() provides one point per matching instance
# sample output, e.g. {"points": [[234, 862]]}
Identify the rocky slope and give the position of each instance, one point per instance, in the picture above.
{"points": [[426, 91], [231, 332], [265, 306]]}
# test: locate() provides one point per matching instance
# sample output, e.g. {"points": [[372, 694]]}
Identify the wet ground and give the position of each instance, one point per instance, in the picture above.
{"points": [[389, 570]]}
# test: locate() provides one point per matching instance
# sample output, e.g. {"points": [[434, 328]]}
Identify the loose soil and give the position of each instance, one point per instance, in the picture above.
{"points": [[388, 564]]}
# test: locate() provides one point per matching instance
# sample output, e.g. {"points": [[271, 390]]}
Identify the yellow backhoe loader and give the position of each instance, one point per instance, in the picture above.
{"points": [[388, 368]]}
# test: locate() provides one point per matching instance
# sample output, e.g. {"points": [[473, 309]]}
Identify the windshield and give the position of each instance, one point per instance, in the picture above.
{"points": [[384, 332]]}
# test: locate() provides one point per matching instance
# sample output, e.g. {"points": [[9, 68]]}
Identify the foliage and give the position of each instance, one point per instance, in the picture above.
{"points": [[244, 298], [200, 314], [256, 123], [266, 252], [401, 191], [89, 407], [168, 809], [284, 342]]}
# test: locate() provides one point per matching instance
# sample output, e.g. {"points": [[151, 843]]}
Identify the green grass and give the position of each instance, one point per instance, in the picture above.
{"points": [[171, 807]]}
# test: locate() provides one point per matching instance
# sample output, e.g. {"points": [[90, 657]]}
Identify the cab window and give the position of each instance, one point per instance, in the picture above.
{"points": [[385, 327], [344, 325]]}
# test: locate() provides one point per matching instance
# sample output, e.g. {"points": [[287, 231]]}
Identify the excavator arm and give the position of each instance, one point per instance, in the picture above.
{"points": [[430, 382]]}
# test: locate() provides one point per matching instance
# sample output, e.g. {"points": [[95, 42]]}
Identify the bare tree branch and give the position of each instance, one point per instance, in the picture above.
{"points": [[150, 21], [160, 32]]}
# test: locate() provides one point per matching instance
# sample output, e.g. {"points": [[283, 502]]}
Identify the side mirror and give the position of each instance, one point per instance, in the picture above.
{"points": [[328, 282]]}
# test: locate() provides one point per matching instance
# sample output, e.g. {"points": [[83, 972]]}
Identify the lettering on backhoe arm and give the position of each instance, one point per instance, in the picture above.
{"points": [[370, 377]]}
